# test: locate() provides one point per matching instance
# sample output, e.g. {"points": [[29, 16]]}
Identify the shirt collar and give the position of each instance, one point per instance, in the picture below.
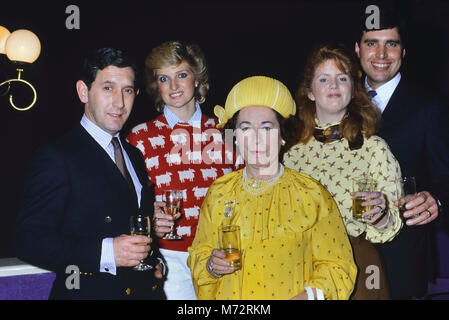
{"points": [[173, 119], [385, 91], [102, 137]]}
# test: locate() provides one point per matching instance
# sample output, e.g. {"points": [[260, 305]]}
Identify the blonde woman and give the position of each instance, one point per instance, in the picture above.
{"points": [[182, 149]]}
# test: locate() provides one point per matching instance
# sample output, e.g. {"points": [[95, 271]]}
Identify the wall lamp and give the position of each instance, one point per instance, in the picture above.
{"points": [[21, 47]]}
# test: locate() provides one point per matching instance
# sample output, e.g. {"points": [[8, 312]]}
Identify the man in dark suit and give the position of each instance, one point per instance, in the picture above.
{"points": [[79, 196], [414, 125]]}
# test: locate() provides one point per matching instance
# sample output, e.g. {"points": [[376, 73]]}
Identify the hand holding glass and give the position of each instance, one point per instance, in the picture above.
{"points": [[361, 184], [141, 226], [408, 187], [229, 242], [173, 203]]}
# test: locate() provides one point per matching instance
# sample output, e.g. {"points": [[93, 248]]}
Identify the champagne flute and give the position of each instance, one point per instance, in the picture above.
{"points": [[141, 226], [173, 203]]}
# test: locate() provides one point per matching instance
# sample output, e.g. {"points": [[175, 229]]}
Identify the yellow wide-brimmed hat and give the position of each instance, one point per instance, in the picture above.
{"points": [[256, 91]]}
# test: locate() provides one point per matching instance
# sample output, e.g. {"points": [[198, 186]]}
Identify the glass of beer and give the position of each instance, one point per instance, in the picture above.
{"points": [[362, 184], [173, 203], [141, 226], [229, 242], [408, 186]]}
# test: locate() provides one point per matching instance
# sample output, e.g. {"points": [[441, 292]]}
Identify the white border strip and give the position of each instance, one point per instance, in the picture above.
{"points": [[14, 267]]}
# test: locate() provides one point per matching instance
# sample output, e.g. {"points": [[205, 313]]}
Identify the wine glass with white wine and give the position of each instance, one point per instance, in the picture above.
{"points": [[141, 226], [173, 203]]}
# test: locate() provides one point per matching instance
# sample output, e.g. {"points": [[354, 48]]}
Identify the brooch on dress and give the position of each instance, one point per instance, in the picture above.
{"points": [[229, 208]]}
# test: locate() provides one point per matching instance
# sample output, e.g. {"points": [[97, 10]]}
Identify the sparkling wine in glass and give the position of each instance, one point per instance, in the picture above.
{"points": [[173, 204], [141, 226]]}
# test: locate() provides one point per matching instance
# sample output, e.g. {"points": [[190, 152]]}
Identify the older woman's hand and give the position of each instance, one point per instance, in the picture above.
{"points": [[377, 215], [217, 266]]}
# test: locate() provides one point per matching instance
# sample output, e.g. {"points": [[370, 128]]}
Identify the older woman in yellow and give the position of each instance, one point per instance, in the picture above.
{"points": [[336, 144], [294, 244]]}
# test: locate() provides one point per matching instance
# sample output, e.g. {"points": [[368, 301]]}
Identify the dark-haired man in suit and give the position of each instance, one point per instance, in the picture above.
{"points": [[414, 124], [79, 196]]}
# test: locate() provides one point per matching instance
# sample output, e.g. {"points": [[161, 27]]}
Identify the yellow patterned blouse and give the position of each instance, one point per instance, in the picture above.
{"points": [[292, 237], [334, 165]]}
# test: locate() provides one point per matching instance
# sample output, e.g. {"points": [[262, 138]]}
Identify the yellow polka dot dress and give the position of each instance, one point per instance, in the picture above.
{"points": [[292, 237]]}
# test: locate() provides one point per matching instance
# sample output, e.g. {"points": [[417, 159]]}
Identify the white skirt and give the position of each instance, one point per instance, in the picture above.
{"points": [[179, 285]]}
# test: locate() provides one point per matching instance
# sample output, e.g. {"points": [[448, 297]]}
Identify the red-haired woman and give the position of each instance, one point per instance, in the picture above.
{"points": [[336, 143]]}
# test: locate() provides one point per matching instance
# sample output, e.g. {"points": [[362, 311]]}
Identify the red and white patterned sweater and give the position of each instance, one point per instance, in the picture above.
{"points": [[183, 158]]}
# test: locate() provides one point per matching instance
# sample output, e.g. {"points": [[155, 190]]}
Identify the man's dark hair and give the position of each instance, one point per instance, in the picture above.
{"points": [[102, 58], [390, 16]]}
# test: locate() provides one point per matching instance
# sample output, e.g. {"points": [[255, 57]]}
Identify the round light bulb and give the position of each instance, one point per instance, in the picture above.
{"points": [[23, 46], [4, 34]]}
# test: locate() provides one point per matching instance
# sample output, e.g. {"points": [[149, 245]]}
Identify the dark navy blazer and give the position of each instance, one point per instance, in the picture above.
{"points": [[74, 197], [415, 126]]}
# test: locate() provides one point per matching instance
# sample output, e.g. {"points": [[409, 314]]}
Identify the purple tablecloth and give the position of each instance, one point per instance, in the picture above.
{"points": [[26, 287]]}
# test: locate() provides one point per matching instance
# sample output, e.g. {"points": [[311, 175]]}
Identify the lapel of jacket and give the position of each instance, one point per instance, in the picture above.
{"points": [[396, 109], [393, 108], [111, 174]]}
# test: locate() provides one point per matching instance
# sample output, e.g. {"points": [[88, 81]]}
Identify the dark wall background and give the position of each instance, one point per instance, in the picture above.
{"points": [[239, 39]]}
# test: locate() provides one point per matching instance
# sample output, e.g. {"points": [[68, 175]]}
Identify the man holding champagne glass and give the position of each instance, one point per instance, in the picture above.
{"points": [[81, 191], [414, 124]]}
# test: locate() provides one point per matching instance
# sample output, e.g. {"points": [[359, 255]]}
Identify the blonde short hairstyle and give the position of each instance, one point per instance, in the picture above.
{"points": [[173, 53]]}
